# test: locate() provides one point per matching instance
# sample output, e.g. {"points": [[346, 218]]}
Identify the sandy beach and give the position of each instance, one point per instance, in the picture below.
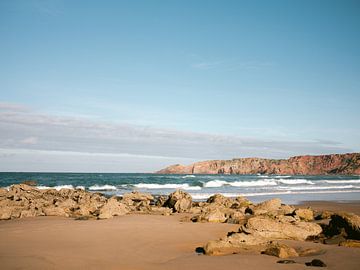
{"points": [[143, 242]]}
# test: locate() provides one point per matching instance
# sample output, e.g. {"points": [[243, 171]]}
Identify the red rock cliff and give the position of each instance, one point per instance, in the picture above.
{"points": [[306, 165]]}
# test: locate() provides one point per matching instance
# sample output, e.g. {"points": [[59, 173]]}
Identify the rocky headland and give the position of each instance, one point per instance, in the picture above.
{"points": [[261, 227], [345, 164]]}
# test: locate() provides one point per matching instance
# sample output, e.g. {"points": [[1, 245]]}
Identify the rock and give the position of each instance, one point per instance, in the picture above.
{"points": [[310, 251], [164, 211], [277, 229], [287, 209], [348, 222], [236, 218], [213, 215], [138, 196], [272, 205], [350, 243], [286, 261], [235, 243], [335, 240], [305, 214], [316, 262], [5, 213], [161, 200], [220, 200], [179, 201], [113, 208], [55, 211], [280, 250], [324, 215]]}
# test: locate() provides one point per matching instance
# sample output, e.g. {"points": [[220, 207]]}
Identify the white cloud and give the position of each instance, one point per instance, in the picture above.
{"points": [[54, 140], [29, 140]]}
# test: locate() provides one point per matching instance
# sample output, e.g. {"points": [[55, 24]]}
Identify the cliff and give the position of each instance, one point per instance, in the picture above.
{"points": [[305, 165]]}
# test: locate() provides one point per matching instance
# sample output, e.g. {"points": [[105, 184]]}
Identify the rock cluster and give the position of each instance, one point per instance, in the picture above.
{"points": [[261, 225], [27, 201]]}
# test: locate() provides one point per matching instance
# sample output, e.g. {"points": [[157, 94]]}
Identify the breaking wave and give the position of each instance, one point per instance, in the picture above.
{"points": [[103, 187], [167, 186]]}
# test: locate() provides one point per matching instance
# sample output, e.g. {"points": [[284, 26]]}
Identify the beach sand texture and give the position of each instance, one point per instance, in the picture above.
{"points": [[138, 242]]}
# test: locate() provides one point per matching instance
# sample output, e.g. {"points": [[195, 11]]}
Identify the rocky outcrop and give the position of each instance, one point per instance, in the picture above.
{"points": [[22, 200], [179, 201], [305, 165]]}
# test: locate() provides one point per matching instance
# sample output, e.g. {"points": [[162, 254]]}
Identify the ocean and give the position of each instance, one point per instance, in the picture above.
{"points": [[291, 189]]}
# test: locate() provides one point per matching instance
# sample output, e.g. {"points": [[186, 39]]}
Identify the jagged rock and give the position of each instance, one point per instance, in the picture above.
{"points": [[316, 262], [277, 229], [350, 243], [161, 200], [265, 207], [344, 221], [280, 250], [113, 208], [138, 196], [236, 218], [220, 200], [324, 215], [305, 214], [179, 201], [286, 209], [214, 215], [235, 243]]}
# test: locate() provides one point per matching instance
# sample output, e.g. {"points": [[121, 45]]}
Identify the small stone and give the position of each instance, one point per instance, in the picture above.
{"points": [[316, 262], [286, 261]]}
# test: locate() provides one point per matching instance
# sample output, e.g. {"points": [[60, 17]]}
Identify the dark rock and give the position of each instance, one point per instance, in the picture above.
{"points": [[286, 261], [316, 262]]}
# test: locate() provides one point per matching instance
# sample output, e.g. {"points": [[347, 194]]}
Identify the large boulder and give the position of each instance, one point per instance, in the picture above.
{"points": [[179, 201], [235, 243], [266, 207], [348, 222], [113, 208], [220, 200], [279, 229]]}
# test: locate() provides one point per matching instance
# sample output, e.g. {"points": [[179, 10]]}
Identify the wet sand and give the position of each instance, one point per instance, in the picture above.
{"points": [[138, 242]]}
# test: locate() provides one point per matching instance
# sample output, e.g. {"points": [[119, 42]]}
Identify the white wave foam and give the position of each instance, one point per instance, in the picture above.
{"points": [[167, 186], [350, 181], [295, 181], [262, 176], [317, 188], [258, 183], [104, 187], [283, 176], [56, 187], [204, 196], [215, 183], [189, 176], [80, 187]]}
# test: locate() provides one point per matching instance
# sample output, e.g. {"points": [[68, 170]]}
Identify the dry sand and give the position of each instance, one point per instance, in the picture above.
{"points": [[137, 242]]}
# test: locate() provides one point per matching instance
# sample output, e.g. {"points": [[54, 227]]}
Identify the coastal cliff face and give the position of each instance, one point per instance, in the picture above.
{"points": [[305, 165]]}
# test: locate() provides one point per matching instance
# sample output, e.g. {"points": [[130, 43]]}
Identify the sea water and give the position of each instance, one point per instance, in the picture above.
{"points": [[291, 189]]}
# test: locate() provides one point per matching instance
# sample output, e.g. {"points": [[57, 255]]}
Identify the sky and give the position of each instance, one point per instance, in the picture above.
{"points": [[133, 86]]}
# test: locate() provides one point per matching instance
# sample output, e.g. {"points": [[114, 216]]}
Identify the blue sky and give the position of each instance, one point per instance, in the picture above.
{"points": [[217, 79]]}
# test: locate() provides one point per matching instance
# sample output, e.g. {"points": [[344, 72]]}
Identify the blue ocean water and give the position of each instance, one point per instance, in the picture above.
{"points": [[291, 189]]}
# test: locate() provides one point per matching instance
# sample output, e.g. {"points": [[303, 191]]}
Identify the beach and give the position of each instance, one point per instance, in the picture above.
{"points": [[144, 242]]}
